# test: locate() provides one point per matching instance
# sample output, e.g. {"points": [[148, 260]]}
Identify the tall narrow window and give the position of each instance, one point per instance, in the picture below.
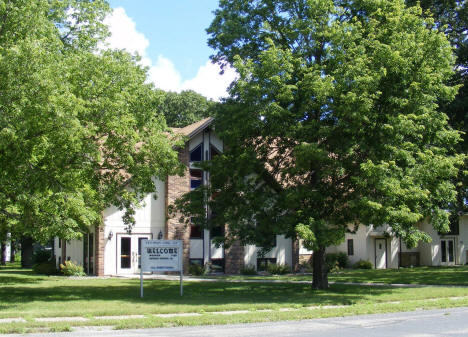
{"points": [[350, 247], [125, 253], [214, 151], [196, 154], [196, 178], [443, 246], [196, 231]]}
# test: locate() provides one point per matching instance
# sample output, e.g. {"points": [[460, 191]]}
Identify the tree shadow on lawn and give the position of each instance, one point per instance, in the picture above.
{"points": [[418, 275], [223, 295], [19, 276]]}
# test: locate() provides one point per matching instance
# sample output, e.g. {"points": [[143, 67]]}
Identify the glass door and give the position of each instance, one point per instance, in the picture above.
{"points": [[447, 251], [129, 252]]}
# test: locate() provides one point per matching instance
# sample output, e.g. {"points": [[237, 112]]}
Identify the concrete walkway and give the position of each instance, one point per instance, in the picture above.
{"points": [[190, 314], [431, 323]]}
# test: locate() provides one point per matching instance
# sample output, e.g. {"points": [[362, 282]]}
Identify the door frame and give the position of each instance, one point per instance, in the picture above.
{"points": [[117, 255], [375, 252], [447, 239]]}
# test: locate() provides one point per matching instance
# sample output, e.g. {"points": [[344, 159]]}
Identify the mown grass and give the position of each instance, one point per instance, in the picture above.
{"points": [[23, 294], [457, 275]]}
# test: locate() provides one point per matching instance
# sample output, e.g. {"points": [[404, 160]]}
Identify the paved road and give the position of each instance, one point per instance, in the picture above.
{"points": [[431, 323]]}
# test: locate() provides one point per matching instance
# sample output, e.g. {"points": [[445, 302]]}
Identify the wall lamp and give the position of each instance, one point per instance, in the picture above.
{"points": [[160, 235], [111, 234]]}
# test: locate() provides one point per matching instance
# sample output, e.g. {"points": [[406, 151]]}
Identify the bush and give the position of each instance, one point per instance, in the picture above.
{"points": [[278, 269], [248, 270], [41, 256], [306, 267], [71, 269], [362, 264], [46, 268], [197, 270], [336, 261], [343, 260]]}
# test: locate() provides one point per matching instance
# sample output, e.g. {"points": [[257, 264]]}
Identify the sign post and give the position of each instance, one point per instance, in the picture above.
{"points": [[161, 255]]}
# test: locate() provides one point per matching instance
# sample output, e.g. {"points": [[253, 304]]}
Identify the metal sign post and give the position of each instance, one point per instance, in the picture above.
{"points": [[161, 255], [181, 264], [141, 281]]}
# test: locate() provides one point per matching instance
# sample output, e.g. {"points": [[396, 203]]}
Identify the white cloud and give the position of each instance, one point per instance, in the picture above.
{"points": [[163, 73], [209, 82], [124, 33]]}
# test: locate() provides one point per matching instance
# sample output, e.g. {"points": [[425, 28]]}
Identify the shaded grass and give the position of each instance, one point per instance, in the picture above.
{"points": [[457, 275]]}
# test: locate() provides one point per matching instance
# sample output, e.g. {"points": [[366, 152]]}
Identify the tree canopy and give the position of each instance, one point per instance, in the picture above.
{"points": [[452, 19], [78, 127], [333, 122], [184, 108]]}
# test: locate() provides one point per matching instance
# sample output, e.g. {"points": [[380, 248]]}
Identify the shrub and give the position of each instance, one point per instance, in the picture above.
{"points": [[336, 261], [41, 256], [342, 259], [248, 270], [197, 270], [71, 269], [278, 269], [46, 268], [306, 267], [363, 264]]}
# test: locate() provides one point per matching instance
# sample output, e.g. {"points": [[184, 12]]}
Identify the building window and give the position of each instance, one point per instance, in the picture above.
{"points": [[214, 152], [196, 231], [217, 231], [196, 154], [217, 266], [454, 226], [197, 262], [196, 178], [350, 247]]}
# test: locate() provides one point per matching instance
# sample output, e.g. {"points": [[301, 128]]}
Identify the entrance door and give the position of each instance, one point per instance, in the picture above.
{"points": [[380, 253], [129, 252], [447, 251]]}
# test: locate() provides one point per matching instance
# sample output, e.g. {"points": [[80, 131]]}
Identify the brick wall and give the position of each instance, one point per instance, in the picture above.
{"points": [[234, 258], [305, 258], [295, 255], [99, 244], [176, 186]]}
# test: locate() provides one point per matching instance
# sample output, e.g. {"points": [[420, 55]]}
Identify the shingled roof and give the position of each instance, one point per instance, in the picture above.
{"points": [[192, 129]]}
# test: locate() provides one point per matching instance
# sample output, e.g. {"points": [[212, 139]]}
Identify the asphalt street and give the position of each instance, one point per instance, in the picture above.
{"points": [[422, 323]]}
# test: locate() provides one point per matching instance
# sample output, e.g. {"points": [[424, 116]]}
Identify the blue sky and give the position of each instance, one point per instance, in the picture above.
{"points": [[171, 38]]}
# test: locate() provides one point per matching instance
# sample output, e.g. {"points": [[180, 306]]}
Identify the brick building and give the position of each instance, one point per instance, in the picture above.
{"points": [[111, 250]]}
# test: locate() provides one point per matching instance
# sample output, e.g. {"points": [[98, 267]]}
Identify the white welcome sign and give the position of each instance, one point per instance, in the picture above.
{"points": [[161, 255]]}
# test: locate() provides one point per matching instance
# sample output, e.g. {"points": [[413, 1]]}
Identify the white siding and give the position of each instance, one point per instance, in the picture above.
{"points": [[282, 252], [150, 219], [463, 240]]}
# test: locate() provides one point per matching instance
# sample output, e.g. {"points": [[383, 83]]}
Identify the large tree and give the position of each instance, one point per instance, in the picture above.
{"points": [[78, 130], [452, 19], [333, 122], [184, 108]]}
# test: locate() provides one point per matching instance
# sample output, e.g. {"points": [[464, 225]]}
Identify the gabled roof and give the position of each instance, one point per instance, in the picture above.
{"points": [[193, 129]]}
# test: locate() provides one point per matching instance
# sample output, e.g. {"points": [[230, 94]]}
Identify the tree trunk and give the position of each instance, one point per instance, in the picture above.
{"points": [[26, 252], [4, 247], [320, 272], [12, 251]]}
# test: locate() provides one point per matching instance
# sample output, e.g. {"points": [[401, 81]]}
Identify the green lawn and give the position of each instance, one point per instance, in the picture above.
{"points": [[26, 295], [419, 275]]}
